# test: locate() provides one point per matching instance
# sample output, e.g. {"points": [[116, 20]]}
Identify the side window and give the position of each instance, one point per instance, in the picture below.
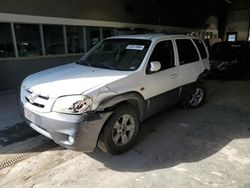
{"points": [[201, 48], [187, 51], [164, 53]]}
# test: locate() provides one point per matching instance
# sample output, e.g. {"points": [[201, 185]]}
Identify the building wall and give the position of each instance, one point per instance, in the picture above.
{"points": [[140, 11], [239, 21]]}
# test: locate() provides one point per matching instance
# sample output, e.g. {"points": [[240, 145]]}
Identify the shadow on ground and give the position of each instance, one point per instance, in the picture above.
{"points": [[176, 136], [17, 133]]}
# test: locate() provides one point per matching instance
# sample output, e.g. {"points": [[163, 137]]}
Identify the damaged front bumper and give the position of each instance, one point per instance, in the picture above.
{"points": [[76, 132]]}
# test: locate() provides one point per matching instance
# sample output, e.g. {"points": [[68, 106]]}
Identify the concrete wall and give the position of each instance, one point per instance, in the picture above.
{"points": [[140, 11], [13, 71], [239, 21]]}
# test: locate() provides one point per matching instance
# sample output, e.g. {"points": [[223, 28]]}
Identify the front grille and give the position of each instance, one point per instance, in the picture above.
{"points": [[35, 104], [40, 96]]}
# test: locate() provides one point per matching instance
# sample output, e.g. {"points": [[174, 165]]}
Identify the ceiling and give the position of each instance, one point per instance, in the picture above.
{"points": [[191, 13]]}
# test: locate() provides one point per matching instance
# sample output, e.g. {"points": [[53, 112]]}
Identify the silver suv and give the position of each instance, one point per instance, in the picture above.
{"points": [[103, 98]]}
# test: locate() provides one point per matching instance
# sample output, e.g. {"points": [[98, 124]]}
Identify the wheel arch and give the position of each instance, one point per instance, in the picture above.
{"points": [[133, 98]]}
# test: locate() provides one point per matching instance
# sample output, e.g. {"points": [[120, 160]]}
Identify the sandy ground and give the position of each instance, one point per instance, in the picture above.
{"points": [[203, 147]]}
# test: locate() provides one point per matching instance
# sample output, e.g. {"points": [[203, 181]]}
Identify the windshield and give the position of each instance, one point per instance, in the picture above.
{"points": [[117, 54]]}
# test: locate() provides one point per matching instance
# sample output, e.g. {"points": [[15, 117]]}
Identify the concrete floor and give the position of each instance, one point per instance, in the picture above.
{"points": [[203, 147]]}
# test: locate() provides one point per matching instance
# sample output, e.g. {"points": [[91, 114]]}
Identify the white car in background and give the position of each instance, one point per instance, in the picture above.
{"points": [[103, 98]]}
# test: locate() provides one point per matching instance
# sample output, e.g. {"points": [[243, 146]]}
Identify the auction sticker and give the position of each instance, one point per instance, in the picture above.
{"points": [[135, 47]]}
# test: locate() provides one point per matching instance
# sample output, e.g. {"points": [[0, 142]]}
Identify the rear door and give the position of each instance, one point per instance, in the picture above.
{"points": [[203, 53], [189, 61]]}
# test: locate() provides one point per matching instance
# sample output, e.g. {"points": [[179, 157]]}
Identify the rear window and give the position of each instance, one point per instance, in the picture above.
{"points": [[187, 51], [201, 48]]}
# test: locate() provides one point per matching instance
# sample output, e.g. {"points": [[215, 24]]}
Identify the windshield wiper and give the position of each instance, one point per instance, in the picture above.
{"points": [[107, 66], [83, 63]]}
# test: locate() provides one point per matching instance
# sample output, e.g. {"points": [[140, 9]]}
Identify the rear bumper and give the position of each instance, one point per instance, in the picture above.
{"points": [[76, 132]]}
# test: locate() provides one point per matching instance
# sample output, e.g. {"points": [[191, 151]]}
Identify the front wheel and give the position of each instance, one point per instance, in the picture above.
{"points": [[120, 131], [196, 97]]}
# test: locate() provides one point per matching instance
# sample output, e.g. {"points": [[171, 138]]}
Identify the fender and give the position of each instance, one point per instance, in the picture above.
{"points": [[203, 74], [133, 98]]}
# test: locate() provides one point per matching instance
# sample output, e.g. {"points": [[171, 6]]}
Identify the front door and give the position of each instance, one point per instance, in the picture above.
{"points": [[162, 85]]}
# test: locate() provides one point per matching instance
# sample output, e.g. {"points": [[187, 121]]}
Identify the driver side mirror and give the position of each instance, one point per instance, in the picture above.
{"points": [[155, 66]]}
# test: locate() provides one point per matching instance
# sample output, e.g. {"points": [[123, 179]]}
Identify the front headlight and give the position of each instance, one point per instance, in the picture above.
{"points": [[75, 104]]}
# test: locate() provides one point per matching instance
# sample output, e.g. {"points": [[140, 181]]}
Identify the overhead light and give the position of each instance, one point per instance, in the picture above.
{"points": [[228, 1]]}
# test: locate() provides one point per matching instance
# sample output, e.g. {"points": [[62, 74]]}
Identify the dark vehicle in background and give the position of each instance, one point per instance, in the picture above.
{"points": [[230, 59]]}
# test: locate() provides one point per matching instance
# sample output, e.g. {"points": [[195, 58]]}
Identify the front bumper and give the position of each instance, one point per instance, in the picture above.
{"points": [[76, 132]]}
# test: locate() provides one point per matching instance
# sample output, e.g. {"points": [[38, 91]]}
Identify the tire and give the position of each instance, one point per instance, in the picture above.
{"points": [[120, 131], [195, 97]]}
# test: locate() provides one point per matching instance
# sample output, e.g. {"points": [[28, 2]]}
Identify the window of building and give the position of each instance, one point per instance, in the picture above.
{"points": [[6, 43], [186, 50], [28, 40], [108, 32], [231, 37], [201, 48], [93, 36], [53, 39], [163, 52], [75, 39]]}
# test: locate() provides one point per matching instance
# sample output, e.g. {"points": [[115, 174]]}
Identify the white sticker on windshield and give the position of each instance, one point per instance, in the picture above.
{"points": [[135, 47]]}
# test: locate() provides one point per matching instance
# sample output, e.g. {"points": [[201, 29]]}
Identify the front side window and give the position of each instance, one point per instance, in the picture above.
{"points": [[6, 43], [117, 54], [28, 40], [163, 52], [186, 51], [201, 48]]}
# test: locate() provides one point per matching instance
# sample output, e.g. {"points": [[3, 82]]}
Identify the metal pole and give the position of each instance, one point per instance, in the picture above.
{"points": [[42, 39], [85, 39], [101, 35], [13, 35], [65, 39]]}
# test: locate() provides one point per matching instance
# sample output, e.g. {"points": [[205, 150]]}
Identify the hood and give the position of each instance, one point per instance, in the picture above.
{"points": [[70, 79]]}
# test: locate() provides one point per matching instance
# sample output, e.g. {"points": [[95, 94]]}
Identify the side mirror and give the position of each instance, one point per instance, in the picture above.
{"points": [[155, 66]]}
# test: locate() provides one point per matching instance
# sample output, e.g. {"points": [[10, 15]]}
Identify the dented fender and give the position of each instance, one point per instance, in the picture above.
{"points": [[133, 98]]}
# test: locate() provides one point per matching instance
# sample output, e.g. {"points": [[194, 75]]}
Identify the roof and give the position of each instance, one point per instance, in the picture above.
{"points": [[148, 36]]}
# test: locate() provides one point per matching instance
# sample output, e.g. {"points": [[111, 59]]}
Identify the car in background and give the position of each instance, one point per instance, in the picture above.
{"points": [[230, 59]]}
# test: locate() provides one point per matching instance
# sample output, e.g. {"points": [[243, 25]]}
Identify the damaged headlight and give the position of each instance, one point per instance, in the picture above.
{"points": [[75, 104]]}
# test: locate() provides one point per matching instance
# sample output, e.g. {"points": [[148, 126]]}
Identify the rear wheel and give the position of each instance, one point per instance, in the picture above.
{"points": [[196, 97], [120, 131]]}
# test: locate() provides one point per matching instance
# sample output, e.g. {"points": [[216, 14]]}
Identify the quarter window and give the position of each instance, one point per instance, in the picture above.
{"points": [[201, 48], [187, 52], [163, 52]]}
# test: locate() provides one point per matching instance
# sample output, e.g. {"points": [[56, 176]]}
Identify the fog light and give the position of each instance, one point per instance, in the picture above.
{"points": [[71, 139]]}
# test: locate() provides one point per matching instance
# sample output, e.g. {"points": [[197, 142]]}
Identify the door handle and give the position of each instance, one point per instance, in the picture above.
{"points": [[173, 76]]}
